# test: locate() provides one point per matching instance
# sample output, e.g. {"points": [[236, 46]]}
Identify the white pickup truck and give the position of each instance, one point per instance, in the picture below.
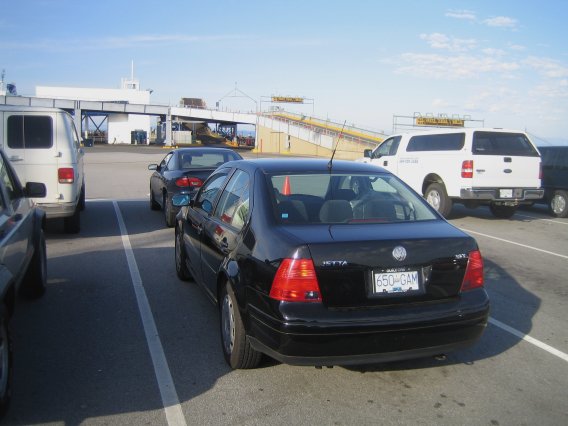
{"points": [[472, 166]]}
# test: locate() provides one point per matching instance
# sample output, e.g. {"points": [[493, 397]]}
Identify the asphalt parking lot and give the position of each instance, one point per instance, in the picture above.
{"points": [[119, 339]]}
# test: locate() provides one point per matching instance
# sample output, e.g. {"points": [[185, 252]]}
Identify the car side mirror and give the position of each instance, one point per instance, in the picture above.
{"points": [[35, 190], [153, 167], [368, 153]]}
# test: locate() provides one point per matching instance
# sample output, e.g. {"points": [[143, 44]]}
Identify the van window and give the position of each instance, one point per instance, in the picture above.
{"points": [[29, 131], [499, 143], [439, 142]]}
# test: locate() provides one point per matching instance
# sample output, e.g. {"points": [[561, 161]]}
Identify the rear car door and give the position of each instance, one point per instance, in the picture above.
{"points": [[504, 160], [221, 234], [198, 218], [31, 148]]}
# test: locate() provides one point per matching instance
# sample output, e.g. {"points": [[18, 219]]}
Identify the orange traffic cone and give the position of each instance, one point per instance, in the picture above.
{"points": [[286, 186]]}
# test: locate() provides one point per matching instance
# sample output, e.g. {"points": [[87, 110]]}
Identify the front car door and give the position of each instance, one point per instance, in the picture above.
{"points": [[384, 154]]}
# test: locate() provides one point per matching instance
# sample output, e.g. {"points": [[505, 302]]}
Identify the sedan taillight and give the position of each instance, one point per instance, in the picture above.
{"points": [[296, 281], [189, 182], [66, 175], [473, 277]]}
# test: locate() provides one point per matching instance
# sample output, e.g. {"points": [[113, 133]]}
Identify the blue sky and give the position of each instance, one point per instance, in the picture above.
{"points": [[503, 62]]}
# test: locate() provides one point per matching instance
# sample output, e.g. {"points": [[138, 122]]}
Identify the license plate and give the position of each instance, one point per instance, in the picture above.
{"points": [[395, 282], [505, 193]]}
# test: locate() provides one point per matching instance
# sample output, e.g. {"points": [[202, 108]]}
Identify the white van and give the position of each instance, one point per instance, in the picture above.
{"points": [[472, 166], [43, 146]]}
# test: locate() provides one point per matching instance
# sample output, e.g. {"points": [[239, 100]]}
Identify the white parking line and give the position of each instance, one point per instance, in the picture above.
{"points": [[542, 219], [529, 339], [517, 244], [170, 400]]}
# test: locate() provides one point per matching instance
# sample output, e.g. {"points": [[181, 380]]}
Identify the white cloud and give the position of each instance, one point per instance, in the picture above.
{"points": [[452, 67], [517, 47], [547, 67], [442, 41], [461, 14], [501, 21], [493, 52]]}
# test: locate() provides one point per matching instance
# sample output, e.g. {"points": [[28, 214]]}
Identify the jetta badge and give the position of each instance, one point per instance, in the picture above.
{"points": [[399, 253]]}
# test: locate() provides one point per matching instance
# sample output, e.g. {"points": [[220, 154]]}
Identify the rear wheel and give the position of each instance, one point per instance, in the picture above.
{"points": [[169, 215], [5, 365], [502, 212], [181, 258], [559, 204], [35, 280], [437, 197], [72, 224], [82, 203], [236, 345]]}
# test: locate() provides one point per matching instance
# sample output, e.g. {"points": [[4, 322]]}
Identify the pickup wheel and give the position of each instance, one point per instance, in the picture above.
{"points": [[502, 212], [5, 365], [35, 280], [559, 204], [236, 345], [437, 197]]}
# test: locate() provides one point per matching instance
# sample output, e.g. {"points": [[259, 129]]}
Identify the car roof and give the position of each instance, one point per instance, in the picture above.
{"points": [[300, 165], [25, 108], [204, 149]]}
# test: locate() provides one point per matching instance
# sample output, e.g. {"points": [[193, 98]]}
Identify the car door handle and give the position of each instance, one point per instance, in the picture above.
{"points": [[385, 163], [16, 158]]}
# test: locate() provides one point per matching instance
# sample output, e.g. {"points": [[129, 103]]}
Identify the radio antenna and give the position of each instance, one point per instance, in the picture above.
{"points": [[330, 164]]}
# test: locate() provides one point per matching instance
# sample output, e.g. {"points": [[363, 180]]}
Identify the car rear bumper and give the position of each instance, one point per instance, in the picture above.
{"points": [[494, 194], [365, 341]]}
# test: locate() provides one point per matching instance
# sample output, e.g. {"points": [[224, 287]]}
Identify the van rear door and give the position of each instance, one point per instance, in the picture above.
{"points": [[31, 148], [504, 160]]}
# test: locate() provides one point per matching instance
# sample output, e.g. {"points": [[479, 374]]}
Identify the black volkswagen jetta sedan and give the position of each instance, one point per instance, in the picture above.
{"points": [[325, 264]]}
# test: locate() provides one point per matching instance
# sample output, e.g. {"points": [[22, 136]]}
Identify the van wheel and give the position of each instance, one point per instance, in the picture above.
{"points": [[82, 203], [35, 280], [502, 212], [169, 215], [236, 345], [437, 197], [72, 224], [559, 204], [6, 358]]}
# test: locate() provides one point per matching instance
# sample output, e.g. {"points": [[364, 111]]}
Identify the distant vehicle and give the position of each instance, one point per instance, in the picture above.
{"points": [[23, 264], [305, 270], [183, 171], [43, 146], [474, 166], [555, 179]]}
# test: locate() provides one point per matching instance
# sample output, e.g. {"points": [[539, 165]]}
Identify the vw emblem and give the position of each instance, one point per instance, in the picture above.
{"points": [[399, 253]]}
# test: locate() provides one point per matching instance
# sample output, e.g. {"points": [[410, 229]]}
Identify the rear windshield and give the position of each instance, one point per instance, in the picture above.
{"points": [[205, 160], [345, 198], [499, 143], [30, 131]]}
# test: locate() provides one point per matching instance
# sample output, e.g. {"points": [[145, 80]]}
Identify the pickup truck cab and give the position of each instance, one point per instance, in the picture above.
{"points": [[473, 166]]}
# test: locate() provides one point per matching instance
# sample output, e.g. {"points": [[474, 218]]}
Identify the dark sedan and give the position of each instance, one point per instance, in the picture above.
{"points": [[183, 171], [319, 265]]}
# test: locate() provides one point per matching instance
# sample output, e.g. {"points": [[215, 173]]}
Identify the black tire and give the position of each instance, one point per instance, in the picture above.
{"points": [[153, 204], [237, 349], [6, 365], [502, 212], [72, 224], [169, 215], [82, 203], [35, 280], [437, 197], [180, 257], [558, 204]]}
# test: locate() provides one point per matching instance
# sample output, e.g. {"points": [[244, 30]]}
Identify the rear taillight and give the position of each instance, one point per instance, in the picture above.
{"points": [[296, 281], [189, 182], [473, 277], [467, 169], [66, 175]]}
